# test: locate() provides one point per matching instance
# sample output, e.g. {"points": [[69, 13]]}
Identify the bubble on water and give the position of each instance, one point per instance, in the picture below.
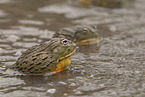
{"points": [[51, 91]]}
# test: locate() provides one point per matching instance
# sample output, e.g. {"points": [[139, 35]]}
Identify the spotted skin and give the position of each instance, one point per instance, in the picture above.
{"points": [[42, 59]]}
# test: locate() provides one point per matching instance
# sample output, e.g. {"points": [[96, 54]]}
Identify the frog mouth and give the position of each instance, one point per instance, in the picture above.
{"points": [[88, 41], [69, 54]]}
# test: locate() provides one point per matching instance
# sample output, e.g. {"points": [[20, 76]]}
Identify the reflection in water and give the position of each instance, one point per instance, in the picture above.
{"points": [[36, 80], [94, 48]]}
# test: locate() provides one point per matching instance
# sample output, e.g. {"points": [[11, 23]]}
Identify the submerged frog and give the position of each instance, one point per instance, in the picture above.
{"points": [[81, 34], [103, 3], [51, 56]]}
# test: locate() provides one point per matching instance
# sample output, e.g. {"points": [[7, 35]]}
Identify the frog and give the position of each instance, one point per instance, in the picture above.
{"points": [[53, 55], [104, 3], [80, 34]]}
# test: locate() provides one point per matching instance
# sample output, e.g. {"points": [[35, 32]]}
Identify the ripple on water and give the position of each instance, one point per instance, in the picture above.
{"points": [[12, 38], [70, 11], [24, 45], [31, 22], [8, 84]]}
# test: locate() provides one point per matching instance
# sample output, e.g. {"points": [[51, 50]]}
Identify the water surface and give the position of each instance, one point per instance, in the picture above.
{"points": [[115, 68]]}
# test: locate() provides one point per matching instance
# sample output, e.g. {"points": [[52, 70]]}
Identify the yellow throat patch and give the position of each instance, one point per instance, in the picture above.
{"points": [[63, 64]]}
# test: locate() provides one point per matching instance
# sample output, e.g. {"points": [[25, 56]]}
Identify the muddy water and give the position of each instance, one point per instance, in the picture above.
{"points": [[116, 68]]}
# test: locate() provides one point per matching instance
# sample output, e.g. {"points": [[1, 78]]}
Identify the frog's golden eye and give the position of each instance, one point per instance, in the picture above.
{"points": [[65, 42]]}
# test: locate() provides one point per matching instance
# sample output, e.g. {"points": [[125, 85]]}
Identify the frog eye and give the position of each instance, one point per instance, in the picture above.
{"points": [[65, 42], [86, 30]]}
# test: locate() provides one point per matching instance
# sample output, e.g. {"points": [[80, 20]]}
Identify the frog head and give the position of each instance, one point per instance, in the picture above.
{"points": [[85, 35], [62, 48]]}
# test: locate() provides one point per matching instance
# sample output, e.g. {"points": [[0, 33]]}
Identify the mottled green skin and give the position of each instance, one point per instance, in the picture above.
{"points": [[44, 58], [107, 3], [113, 3], [78, 33]]}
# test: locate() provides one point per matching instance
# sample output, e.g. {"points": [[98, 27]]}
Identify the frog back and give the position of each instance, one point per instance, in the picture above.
{"points": [[68, 33], [38, 59]]}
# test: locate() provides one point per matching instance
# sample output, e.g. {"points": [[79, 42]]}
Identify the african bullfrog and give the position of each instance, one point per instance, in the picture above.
{"points": [[51, 56], [105, 3], [80, 34]]}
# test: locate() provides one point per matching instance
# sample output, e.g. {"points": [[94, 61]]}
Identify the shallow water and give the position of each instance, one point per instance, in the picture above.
{"points": [[115, 68]]}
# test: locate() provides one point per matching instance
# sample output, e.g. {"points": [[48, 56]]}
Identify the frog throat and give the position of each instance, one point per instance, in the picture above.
{"points": [[63, 64], [69, 54]]}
